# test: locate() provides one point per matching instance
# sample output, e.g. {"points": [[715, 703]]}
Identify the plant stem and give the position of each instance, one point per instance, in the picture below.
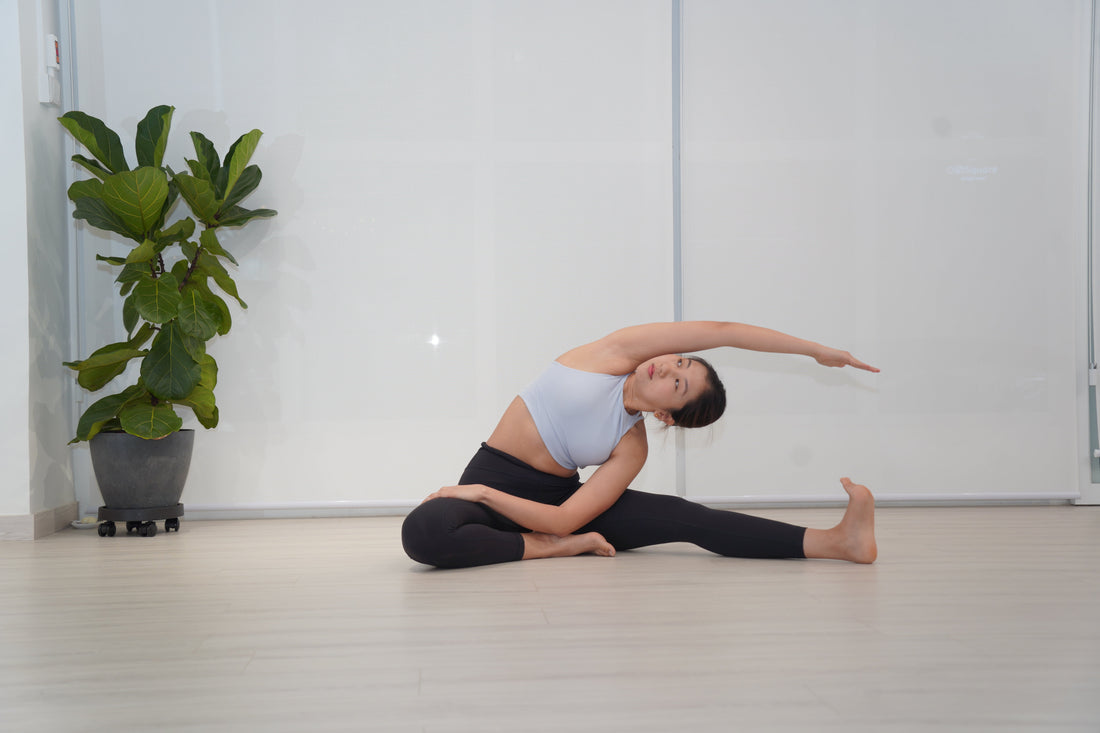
{"points": [[194, 264]]}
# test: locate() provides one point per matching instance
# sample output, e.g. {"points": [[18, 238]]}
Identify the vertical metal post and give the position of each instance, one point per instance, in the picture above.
{"points": [[677, 252]]}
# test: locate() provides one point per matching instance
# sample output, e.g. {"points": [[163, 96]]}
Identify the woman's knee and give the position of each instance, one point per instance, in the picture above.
{"points": [[421, 532], [427, 534]]}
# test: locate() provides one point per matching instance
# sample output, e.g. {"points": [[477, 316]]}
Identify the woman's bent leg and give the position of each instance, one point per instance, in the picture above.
{"points": [[453, 533], [639, 519]]}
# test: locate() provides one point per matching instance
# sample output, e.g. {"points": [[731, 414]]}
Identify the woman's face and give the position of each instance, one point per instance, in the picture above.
{"points": [[669, 382]]}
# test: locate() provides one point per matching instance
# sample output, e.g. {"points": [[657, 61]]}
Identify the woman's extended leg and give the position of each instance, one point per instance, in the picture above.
{"points": [[639, 519], [854, 538]]}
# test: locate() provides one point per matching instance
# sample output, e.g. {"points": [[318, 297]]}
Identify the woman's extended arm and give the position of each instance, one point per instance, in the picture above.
{"points": [[598, 493], [631, 346]]}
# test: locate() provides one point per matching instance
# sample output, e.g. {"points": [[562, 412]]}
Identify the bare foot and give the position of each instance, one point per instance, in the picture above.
{"points": [[537, 544], [854, 538]]}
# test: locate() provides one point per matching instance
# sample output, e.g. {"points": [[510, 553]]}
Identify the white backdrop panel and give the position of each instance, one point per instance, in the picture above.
{"points": [[465, 190], [904, 180]]}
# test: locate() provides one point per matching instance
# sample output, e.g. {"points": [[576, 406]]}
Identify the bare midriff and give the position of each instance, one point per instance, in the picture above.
{"points": [[517, 435]]}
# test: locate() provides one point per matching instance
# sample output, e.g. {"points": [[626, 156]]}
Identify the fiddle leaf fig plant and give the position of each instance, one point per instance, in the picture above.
{"points": [[171, 279]]}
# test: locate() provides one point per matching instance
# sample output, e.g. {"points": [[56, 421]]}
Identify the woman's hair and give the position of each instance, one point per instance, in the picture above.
{"points": [[707, 407]]}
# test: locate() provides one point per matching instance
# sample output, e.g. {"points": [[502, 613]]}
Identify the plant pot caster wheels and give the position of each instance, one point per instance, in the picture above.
{"points": [[142, 521]]}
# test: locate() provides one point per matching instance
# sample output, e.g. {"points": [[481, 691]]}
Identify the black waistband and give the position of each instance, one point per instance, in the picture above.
{"points": [[528, 467], [500, 470]]}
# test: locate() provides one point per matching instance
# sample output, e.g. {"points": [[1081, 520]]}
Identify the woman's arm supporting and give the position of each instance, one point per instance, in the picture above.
{"points": [[636, 344], [598, 493]]}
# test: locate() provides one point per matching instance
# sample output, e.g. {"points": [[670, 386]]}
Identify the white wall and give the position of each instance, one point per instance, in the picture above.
{"points": [[50, 383], [14, 409], [496, 174], [35, 310], [907, 181]]}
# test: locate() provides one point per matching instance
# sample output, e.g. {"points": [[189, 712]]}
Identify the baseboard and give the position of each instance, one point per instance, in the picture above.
{"points": [[299, 510], [307, 510], [38, 525], [888, 500]]}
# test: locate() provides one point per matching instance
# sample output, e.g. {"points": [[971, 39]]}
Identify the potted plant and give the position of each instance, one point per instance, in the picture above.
{"points": [[170, 282]]}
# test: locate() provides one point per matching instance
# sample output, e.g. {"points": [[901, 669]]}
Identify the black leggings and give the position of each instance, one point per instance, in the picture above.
{"points": [[454, 533]]}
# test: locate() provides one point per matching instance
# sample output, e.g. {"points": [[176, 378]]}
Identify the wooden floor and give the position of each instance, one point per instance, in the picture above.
{"points": [[974, 619]]}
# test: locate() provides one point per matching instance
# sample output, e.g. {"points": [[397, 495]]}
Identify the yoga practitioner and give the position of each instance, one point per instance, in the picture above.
{"points": [[521, 498]]}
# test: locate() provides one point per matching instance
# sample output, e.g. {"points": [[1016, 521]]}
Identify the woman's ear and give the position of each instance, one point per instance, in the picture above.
{"points": [[665, 417]]}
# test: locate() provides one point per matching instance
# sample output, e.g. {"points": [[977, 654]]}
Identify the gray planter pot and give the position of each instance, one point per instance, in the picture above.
{"points": [[134, 473]]}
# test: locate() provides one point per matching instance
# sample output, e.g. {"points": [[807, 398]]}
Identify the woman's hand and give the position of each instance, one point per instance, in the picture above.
{"points": [[837, 358], [469, 492]]}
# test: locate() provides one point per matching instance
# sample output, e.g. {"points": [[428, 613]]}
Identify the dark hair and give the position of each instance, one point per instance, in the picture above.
{"points": [[707, 407]]}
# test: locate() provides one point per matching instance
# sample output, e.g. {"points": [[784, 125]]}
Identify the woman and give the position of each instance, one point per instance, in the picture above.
{"points": [[520, 497]]}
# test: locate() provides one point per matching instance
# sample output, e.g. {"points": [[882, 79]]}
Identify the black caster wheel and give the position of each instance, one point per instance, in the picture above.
{"points": [[148, 529], [102, 529], [132, 526], [106, 529], [172, 524]]}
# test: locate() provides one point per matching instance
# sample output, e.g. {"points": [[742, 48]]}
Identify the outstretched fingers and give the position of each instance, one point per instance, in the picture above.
{"points": [[854, 362]]}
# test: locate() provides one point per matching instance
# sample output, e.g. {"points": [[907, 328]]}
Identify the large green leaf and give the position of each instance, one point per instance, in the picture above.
{"points": [[198, 171], [108, 362], [207, 157], [195, 347], [236, 216], [89, 187], [138, 199], [143, 334], [96, 212], [158, 300], [130, 315], [226, 318], [169, 371], [152, 135], [179, 271], [103, 410], [150, 421], [169, 200], [199, 195], [197, 317], [103, 365], [133, 273], [144, 252], [178, 232], [100, 140], [117, 261], [246, 184], [201, 400], [236, 160], [213, 267], [209, 378], [209, 241], [92, 166], [209, 422]]}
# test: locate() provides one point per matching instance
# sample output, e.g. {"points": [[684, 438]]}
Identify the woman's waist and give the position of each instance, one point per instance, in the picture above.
{"points": [[517, 435], [502, 471]]}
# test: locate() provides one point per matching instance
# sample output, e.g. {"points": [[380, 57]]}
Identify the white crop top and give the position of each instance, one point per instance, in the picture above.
{"points": [[579, 415]]}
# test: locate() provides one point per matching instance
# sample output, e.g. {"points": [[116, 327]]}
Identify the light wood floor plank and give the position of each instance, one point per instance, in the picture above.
{"points": [[974, 619]]}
